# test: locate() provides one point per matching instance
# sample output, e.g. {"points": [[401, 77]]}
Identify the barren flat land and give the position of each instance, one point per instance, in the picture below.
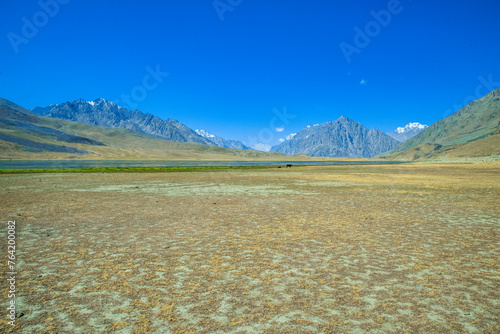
{"points": [[324, 249]]}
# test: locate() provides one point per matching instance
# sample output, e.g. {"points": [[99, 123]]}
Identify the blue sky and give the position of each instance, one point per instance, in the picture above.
{"points": [[230, 63]]}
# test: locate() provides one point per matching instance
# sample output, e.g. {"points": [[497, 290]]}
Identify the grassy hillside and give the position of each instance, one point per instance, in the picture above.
{"points": [[483, 147], [468, 132]]}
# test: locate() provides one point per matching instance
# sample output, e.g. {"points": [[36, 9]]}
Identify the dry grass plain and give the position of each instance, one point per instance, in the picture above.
{"points": [[375, 249]]}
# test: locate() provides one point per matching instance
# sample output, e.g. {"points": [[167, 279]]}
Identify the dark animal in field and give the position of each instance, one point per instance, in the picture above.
{"points": [[289, 166]]}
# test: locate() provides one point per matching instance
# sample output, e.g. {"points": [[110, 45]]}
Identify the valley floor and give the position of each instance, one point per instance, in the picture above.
{"points": [[395, 248]]}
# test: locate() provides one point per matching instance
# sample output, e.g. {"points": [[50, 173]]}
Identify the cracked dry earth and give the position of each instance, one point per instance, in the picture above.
{"points": [[375, 249]]}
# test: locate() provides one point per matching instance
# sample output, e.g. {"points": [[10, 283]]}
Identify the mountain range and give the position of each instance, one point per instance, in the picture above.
{"points": [[100, 129], [352, 141], [25, 135], [106, 113], [341, 138]]}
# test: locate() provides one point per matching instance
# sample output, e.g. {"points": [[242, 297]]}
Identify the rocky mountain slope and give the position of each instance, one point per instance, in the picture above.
{"points": [[341, 138]]}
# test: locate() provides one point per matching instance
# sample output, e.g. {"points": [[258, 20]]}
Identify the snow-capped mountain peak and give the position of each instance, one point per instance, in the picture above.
{"points": [[219, 141], [410, 130]]}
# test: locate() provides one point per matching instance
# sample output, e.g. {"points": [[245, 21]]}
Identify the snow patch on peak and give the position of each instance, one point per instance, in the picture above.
{"points": [[204, 133], [100, 101], [103, 101], [290, 136], [410, 130], [310, 126]]}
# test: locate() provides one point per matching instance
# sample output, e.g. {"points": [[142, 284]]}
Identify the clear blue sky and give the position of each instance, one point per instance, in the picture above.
{"points": [[227, 76]]}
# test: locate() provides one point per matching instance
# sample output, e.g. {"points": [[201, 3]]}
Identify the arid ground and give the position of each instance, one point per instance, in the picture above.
{"points": [[377, 249]]}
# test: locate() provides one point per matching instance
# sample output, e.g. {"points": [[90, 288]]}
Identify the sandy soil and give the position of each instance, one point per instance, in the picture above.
{"points": [[375, 249]]}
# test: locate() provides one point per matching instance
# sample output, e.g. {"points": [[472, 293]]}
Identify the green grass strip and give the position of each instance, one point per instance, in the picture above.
{"points": [[127, 169]]}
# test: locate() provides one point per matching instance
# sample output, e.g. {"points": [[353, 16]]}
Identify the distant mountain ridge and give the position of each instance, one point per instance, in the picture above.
{"points": [[219, 141], [106, 113], [341, 138], [402, 134]]}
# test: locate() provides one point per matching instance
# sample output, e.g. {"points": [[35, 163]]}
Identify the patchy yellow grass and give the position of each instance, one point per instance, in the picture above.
{"points": [[307, 249]]}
